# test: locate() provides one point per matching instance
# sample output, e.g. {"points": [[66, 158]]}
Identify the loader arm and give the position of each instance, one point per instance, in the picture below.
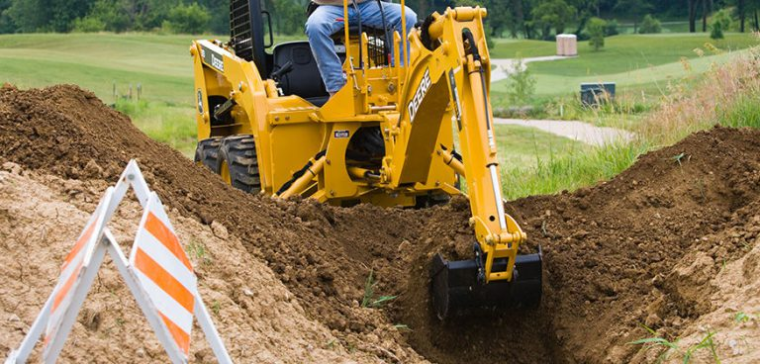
{"points": [[449, 79]]}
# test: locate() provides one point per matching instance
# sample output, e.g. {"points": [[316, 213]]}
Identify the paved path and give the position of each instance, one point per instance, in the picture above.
{"points": [[505, 67], [575, 130]]}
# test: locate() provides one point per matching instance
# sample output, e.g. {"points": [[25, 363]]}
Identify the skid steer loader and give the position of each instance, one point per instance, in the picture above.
{"points": [[266, 125]]}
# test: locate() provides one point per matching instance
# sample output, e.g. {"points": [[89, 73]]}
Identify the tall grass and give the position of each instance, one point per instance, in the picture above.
{"points": [[570, 171], [727, 95], [171, 124]]}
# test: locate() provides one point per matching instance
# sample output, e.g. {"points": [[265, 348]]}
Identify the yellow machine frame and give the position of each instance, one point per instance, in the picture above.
{"points": [[418, 105]]}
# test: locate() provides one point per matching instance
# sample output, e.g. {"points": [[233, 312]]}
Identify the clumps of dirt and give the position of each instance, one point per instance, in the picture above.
{"points": [[648, 247], [322, 255], [41, 216], [641, 249]]}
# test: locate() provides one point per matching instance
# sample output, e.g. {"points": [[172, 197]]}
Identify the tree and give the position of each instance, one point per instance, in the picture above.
{"points": [[634, 8], [650, 25], [520, 85], [46, 15], [187, 19], [552, 14], [114, 14], [596, 29], [692, 16], [721, 21], [741, 11], [6, 22], [611, 28]]}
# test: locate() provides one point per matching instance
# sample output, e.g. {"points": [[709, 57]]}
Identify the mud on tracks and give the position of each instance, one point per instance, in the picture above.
{"points": [[617, 255]]}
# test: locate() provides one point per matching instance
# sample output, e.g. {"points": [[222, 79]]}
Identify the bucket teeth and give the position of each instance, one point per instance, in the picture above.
{"points": [[456, 288]]}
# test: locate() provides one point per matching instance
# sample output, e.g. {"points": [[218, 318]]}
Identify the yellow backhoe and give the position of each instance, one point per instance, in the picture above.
{"points": [[397, 134]]}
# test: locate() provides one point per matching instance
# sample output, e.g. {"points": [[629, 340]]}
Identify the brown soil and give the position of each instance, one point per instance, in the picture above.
{"points": [[647, 247]]}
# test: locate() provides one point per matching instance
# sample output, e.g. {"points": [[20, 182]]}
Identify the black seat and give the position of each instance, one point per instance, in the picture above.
{"points": [[296, 69], [303, 79]]}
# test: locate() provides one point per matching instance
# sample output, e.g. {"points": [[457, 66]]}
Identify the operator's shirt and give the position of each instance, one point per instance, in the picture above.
{"points": [[336, 2]]}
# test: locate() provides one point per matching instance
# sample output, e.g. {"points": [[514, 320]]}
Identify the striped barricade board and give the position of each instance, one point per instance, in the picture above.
{"points": [[165, 273], [158, 273]]}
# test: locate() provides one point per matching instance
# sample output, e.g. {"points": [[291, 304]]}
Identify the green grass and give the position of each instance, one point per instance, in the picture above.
{"points": [[160, 63], [169, 124], [635, 62], [570, 170], [527, 147], [517, 48]]}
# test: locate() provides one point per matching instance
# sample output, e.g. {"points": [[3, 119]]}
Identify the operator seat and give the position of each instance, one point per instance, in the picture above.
{"points": [[303, 78]]}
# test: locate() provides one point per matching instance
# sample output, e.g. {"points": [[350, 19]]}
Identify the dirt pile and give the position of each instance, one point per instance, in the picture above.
{"points": [[664, 244], [312, 249], [42, 215], [641, 249]]}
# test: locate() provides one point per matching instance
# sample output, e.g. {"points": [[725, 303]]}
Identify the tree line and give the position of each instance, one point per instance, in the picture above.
{"points": [[535, 19]]}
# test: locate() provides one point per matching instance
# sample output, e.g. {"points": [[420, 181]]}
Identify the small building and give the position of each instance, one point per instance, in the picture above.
{"points": [[567, 45]]}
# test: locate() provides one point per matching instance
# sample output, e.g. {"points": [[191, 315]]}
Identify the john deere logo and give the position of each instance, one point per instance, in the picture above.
{"points": [[419, 95]]}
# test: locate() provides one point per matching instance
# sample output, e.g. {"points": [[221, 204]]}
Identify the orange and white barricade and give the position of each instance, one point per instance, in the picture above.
{"points": [[158, 274]]}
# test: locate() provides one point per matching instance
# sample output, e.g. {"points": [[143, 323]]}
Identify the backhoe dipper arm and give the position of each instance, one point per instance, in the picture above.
{"points": [[448, 79], [454, 76]]}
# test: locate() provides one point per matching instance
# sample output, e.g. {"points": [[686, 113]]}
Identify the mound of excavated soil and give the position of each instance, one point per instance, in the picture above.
{"points": [[670, 243], [41, 216], [617, 256]]}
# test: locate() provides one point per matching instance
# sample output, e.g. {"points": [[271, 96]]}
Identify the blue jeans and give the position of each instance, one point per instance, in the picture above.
{"points": [[327, 20]]}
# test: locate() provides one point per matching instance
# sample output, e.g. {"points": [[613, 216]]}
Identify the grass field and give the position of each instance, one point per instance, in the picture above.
{"points": [[635, 62], [525, 147]]}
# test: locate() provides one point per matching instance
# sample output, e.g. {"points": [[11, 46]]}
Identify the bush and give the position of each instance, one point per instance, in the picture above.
{"points": [[89, 24], [650, 25], [187, 19], [596, 29], [520, 85], [611, 28], [720, 22], [113, 15]]}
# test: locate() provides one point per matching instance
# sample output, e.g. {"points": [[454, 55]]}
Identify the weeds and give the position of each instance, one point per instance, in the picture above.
{"points": [[216, 307], [658, 341], [678, 158], [673, 347], [369, 300], [742, 317], [331, 344], [197, 251], [707, 342]]}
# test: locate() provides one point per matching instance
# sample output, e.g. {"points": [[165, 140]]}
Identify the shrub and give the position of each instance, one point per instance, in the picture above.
{"points": [[650, 25], [113, 15], [520, 85], [611, 28], [721, 22], [187, 19], [89, 24], [596, 29]]}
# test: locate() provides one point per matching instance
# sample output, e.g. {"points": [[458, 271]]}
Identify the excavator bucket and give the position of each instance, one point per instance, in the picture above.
{"points": [[457, 289]]}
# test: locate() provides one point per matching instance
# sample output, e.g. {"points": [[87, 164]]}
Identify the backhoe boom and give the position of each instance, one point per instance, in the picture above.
{"points": [[387, 137]]}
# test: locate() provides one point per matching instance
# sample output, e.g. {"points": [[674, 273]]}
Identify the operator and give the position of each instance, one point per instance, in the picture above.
{"points": [[327, 18]]}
